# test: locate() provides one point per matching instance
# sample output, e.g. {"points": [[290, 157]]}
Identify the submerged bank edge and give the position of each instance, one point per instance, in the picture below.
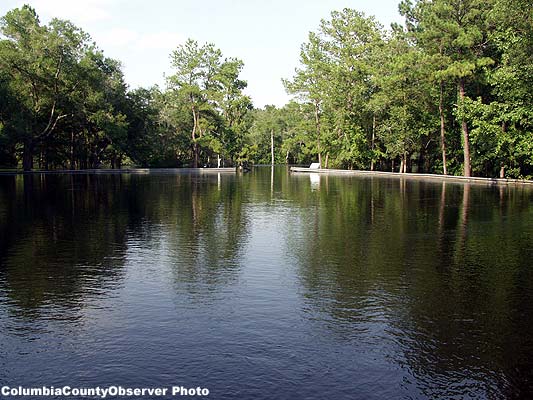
{"points": [[451, 178]]}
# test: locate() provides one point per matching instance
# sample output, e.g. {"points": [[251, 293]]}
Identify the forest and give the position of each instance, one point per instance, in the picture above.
{"points": [[446, 92]]}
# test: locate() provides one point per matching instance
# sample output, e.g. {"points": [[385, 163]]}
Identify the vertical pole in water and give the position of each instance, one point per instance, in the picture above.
{"points": [[218, 160]]}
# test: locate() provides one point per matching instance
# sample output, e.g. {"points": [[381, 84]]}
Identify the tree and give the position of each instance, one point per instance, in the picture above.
{"points": [[455, 32], [38, 59], [511, 111], [310, 82], [335, 77], [213, 91], [353, 42], [403, 98], [266, 135], [298, 121], [233, 105]]}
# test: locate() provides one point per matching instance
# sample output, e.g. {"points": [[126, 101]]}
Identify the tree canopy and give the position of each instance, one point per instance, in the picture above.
{"points": [[446, 92]]}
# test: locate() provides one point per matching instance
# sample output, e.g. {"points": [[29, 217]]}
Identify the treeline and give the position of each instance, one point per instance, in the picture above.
{"points": [[449, 92], [64, 105]]}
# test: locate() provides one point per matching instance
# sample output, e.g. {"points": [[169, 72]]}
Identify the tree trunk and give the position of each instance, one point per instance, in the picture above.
{"points": [[86, 155], [41, 159], [466, 141], [195, 148], [317, 123], [72, 161], [196, 155], [502, 169], [27, 155], [327, 161], [442, 131], [403, 164], [272, 146]]}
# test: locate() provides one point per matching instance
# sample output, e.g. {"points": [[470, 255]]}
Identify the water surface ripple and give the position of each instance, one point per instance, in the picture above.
{"points": [[267, 285]]}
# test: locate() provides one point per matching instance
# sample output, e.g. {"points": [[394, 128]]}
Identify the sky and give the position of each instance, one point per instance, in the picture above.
{"points": [[265, 34]]}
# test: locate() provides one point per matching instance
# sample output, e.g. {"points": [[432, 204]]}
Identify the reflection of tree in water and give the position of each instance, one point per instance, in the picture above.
{"points": [[64, 237], [466, 304], [343, 227], [445, 269], [206, 230], [61, 238]]}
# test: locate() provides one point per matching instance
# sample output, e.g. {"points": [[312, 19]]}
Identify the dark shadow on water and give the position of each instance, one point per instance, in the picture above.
{"points": [[424, 276]]}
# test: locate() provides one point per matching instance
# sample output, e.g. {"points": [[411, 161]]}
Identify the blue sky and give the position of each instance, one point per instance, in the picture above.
{"points": [[266, 35]]}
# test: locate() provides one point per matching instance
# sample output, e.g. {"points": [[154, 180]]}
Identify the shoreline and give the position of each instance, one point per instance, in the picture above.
{"points": [[408, 175]]}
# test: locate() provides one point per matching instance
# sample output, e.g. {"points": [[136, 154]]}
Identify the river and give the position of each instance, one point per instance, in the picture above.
{"points": [[267, 285]]}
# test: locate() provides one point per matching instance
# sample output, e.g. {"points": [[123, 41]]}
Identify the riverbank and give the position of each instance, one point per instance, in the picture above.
{"points": [[451, 178]]}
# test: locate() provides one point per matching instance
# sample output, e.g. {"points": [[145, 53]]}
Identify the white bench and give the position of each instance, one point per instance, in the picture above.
{"points": [[314, 165]]}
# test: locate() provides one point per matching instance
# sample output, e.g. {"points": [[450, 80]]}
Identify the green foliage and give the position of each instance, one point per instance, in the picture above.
{"points": [[65, 105], [448, 91], [338, 62], [209, 87], [381, 97], [68, 94]]}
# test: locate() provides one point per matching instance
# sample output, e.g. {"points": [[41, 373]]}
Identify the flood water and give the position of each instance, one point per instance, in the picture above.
{"points": [[267, 285]]}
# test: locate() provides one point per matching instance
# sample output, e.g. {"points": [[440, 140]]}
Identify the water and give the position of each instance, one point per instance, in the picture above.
{"points": [[267, 285]]}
